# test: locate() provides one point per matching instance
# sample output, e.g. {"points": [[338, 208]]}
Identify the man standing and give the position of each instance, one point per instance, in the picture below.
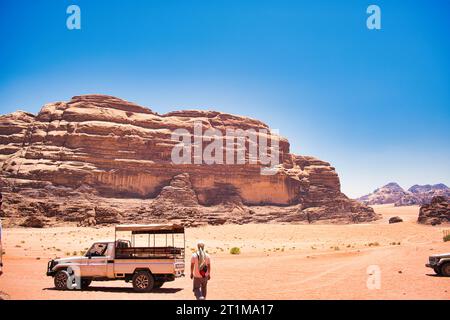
{"points": [[200, 271]]}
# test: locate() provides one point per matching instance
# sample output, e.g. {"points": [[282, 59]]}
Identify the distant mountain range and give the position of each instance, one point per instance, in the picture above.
{"points": [[416, 195]]}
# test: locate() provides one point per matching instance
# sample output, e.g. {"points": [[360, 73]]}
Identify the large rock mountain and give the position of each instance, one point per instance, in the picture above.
{"points": [[389, 193], [416, 195], [98, 158]]}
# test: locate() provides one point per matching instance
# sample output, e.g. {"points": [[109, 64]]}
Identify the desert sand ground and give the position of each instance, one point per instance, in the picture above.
{"points": [[276, 261]]}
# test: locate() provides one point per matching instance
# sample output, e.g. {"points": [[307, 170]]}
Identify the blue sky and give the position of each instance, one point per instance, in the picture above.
{"points": [[376, 104]]}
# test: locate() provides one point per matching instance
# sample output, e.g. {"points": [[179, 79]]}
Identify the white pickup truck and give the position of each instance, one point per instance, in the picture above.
{"points": [[146, 266], [440, 263]]}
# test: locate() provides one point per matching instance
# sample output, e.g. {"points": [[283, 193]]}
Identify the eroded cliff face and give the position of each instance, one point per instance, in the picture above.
{"points": [[104, 147]]}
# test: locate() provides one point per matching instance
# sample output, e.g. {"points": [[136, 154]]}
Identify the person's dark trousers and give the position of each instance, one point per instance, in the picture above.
{"points": [[200, 285]]}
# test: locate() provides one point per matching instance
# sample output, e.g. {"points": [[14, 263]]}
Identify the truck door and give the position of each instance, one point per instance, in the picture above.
{"points": [[110, 255], [97, 260]]}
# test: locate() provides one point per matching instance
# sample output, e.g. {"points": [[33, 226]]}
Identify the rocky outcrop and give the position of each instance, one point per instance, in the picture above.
{"points": [[392, 193], [437, 212], [178, 193], [98, 150], [176, 200], [33, 222]]}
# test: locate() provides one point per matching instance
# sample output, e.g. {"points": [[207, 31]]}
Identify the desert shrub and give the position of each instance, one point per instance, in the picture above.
{"points": [[235, 250], [446, 237]]}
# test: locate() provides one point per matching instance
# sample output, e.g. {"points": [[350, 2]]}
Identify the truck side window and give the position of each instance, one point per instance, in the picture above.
{"points": [[98, 250]]}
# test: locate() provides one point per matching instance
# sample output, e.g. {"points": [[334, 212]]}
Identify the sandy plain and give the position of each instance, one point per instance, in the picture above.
{"points": [[277, 261]]}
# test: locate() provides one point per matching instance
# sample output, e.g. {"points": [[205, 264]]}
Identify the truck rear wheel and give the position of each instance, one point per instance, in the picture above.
{"points": [[445, 269], [60, 279], [143, 281]]}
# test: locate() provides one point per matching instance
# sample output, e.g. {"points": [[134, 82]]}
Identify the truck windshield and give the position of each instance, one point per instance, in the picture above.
{"points": [[97, 250]]}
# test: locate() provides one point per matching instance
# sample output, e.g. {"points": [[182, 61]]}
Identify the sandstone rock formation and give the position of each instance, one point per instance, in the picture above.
{"points": [[437, 212], [99, 159], [416, 195]]}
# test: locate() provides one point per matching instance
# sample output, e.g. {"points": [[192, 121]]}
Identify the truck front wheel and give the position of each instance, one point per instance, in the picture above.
{"points": [[60, 279], [445, 269], [437, 270], [143, 281]]}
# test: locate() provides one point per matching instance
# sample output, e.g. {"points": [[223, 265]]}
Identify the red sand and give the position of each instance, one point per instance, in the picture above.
{"points": [[276, 261]]}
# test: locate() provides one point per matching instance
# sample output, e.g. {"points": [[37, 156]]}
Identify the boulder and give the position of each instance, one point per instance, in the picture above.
{"points": [[395, 220]]}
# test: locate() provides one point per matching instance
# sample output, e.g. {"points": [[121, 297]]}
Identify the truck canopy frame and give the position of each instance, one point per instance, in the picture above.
{"points": [[151, 228], [150, 252]]}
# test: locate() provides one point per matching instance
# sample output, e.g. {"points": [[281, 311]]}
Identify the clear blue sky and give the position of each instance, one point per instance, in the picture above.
{"points": [[376, 104]]}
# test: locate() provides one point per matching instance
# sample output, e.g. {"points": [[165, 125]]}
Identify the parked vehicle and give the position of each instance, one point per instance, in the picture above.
{"points": [[440, 263], [147, 265]]}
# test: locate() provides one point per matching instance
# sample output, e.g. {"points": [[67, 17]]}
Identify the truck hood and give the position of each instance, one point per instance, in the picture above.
{"points": [[443, 255], [70, 259]]}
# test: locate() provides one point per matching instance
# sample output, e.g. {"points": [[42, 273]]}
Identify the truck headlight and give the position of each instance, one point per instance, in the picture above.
{"points": [[434, 260]]}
